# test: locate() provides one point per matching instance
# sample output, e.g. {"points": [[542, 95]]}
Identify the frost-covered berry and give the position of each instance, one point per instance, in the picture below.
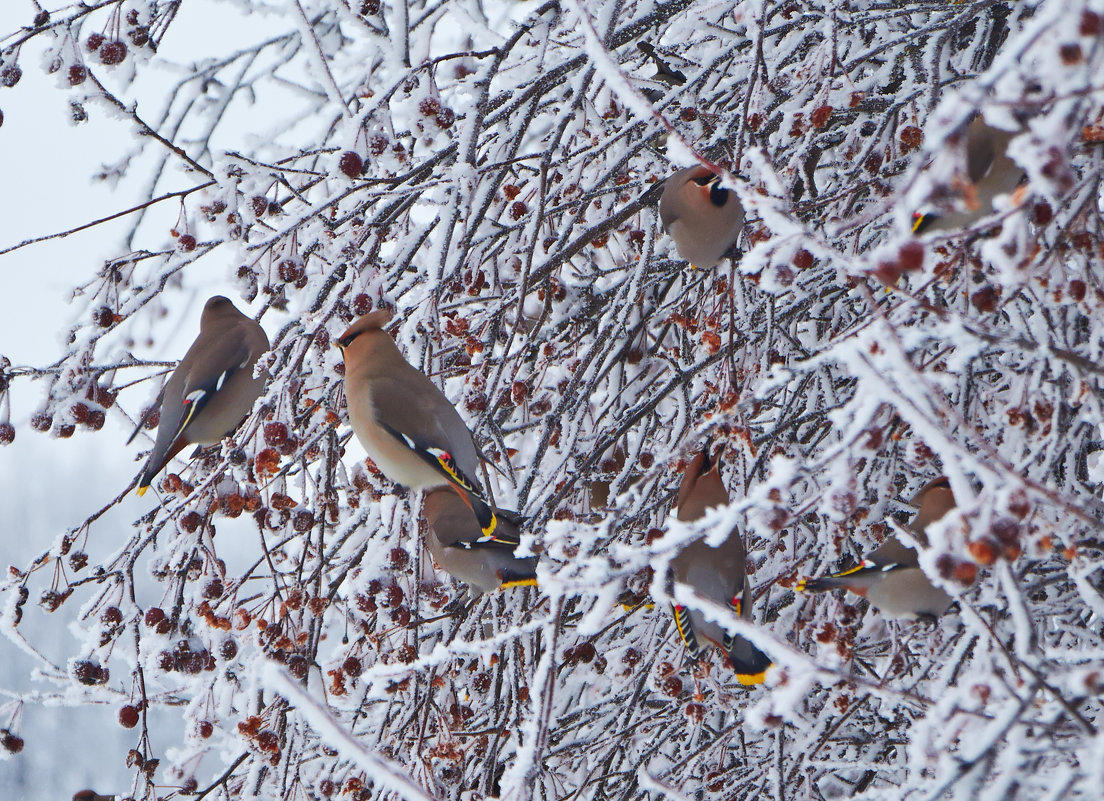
{"points": [[10, 75], [12, 743], [90, 673], [190, 522], [95, 41], [351, 164], [7, 433], [112, 616], [113, 52], [205, 729], [228, 649], [154, 615], [351, 666], [275, 433], [290, 271], [42, 421]]}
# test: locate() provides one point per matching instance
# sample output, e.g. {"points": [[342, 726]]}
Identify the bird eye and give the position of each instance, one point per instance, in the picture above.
{"points": [[704, 180], [717, 195], [344, 342]]}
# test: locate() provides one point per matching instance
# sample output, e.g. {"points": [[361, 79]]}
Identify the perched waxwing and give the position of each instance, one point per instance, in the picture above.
{"points": [[703, 218], [460, 548], [890, 577], [407, 426], [212, 389], [717, 574], [989, 171]]}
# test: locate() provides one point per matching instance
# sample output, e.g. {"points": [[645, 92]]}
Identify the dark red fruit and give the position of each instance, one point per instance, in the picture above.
{"points": [[12, 743], [112, 616], [186, 243], [429, 107], [96, 419], [154, 615], [205, 729], [275, 433], [113, 53], [10, 75], [7, 433], [95, 41], [190, 522], [351, 666], [128, 716], [351, 164], [290, 271], [42, 421], [446, 118]]}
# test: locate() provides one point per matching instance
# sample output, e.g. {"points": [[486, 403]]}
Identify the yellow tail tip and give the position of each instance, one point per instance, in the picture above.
{"points": [[526, 582], [751, 679], [800, 586], [142, 490]]}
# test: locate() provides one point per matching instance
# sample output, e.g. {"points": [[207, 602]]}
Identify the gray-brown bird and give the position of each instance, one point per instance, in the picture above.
{"points": [[91, 795], [717, 574], [212, 389], [989, 172], [703, 218], [891, 577], [407, 426], [459, 546]]}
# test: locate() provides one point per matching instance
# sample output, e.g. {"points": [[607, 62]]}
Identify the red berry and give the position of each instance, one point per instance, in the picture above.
{"points": [[7, 433], [65, 431], [104, 317], [351, 164], [139, 36], [42, 421], [228, 649], [154, 615], [95, 41], [351, 666], [113, 52], [190, 522], [446, 117], [12, 743], [112, 616], [10, 75], [290, 271], [79, 411], [128, 716], [275, 433], [205, 729], [213, 590], [302, 521], [186, 243]]}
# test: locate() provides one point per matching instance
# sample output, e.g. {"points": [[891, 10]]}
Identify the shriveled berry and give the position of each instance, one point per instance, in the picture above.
{"points": [[290, 271], [128, 716], [398, 559], [190, 522], [446, 118], [351, 666], [671, 686], [113, 52], [351, 164], [12, 743], [139, 37], [298, 666], [90, 673], [213, 590], [104, 317], [911, 138]]}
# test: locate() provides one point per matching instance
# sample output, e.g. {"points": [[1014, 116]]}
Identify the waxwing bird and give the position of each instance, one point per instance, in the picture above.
{"points": [[212, 389], [704, 219], [890, 577], [989, 173], [407, 426], [717, 574], [459, 546]]}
